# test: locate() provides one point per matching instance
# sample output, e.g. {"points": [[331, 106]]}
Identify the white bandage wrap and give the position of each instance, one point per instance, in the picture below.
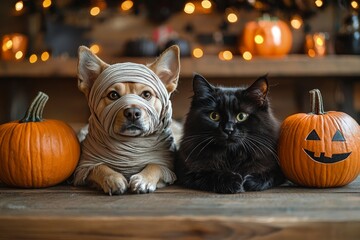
{"points": [[127, 155]]}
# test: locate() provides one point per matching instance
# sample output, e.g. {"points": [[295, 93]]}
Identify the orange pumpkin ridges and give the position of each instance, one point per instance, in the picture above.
{"points": [[37, 152], [320, 149]]}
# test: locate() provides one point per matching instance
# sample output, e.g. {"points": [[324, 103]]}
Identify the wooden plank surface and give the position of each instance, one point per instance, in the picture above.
{"points": [[210, 66], [287, 212]]}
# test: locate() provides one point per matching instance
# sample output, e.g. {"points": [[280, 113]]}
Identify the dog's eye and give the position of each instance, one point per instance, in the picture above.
{"points": [[113, 95], [146, 95]]}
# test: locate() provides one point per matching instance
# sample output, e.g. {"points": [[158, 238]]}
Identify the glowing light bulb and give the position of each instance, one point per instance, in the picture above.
{"points": [[228, 55], [127, 5], [311, 53], [259, 39], [354, 4], [220, 56], [206, 4], [95, 48], [19, 6], [225, 55], [94, 11], [319, 41], [296, 22], [232, 18], [8, 44], [33, 58], [319, 3], [46, 3], [45, 56], [198, 52], [189, 8], [19, 55], [247, 55]]}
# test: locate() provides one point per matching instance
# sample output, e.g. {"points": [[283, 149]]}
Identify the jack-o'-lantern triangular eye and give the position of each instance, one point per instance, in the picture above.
{"points": [[313, 136], [338, 137]]}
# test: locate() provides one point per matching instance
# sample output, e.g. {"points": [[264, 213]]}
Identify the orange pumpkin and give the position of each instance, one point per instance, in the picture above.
{"points": [[266, 37], [320, 149], [36, 152]]}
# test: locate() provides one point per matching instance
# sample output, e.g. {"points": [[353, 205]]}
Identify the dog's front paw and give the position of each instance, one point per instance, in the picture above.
{"points": [[139, 184], [114, 184]]}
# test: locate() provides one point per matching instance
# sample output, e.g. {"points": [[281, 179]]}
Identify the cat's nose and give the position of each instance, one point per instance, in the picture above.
{"points": [[228, 131], [229, 128], [132, 114]]}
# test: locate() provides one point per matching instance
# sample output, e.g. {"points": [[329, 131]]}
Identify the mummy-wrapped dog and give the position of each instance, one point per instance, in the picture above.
{"points": [[129, 142]]}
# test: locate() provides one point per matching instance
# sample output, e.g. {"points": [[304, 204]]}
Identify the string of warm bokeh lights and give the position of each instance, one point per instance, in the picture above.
{"points": [[232, 16], [192, 7], [94, 11]]}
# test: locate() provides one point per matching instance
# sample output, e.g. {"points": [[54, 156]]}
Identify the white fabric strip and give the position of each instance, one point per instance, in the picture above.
{"points": [[127, 155]]}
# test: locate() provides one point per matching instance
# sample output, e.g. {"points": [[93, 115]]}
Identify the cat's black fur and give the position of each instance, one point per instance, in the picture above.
{"points": [[228, 155]]}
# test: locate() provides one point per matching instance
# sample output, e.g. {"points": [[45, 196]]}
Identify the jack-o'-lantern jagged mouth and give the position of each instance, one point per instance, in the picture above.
{"points": [[323, 159]]}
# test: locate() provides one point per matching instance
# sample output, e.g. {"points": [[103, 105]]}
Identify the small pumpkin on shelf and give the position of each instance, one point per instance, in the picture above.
{"points": [[268, 36], [320, 149], [37, 152]]}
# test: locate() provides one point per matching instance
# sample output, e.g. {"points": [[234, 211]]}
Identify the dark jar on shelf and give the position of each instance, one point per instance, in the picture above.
{"points": [[347, 40]]}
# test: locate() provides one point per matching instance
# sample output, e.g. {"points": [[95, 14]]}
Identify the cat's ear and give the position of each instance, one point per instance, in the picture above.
{"points": [[201, 86], [258, 90]]}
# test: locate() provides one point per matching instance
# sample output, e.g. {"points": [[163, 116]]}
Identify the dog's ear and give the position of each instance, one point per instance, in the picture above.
{"points": [[89, 68], [167, 67]]}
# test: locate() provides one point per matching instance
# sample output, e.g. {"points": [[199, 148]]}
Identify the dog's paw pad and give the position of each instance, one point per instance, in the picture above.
{"points": [[115, 185], [139, 184]]}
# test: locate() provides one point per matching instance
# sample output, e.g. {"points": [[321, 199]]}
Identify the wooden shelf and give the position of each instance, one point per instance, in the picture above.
{"points": [[210, 66], [66, 212]]}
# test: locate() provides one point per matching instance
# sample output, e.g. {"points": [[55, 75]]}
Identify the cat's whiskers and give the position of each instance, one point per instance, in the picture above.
{"points": [[203, 141], [261, 141], [268, 143], [252, 148], [211, 140], [265, 140], [196, 136], [248, 146]]}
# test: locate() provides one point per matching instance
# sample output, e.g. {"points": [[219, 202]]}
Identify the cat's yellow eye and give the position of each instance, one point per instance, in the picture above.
{"points": [[241, 117], [215, 116]]}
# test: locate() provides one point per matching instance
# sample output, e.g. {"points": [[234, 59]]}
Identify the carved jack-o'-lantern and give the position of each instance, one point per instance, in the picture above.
{"points": [[338, 142], [320, 149], [268, 36]]}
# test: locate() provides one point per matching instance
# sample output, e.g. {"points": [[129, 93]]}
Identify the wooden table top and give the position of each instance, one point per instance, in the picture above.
{"points": [[287, 212]]}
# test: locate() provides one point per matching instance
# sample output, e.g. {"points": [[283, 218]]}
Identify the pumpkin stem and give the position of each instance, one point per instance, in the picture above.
{"points": [[316, 102], [267, 17], [35, 111]]}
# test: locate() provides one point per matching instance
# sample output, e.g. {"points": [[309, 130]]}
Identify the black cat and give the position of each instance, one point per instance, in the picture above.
{"points": [[230, 139]]}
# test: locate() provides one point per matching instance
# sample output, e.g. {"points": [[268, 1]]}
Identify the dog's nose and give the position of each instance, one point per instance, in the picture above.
{"points": [[132, 114]]}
